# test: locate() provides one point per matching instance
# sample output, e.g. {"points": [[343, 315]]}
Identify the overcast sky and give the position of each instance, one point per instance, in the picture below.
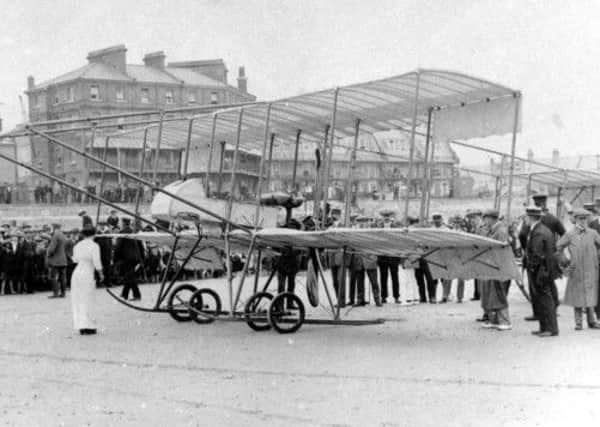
{"points": [[548, 49]]}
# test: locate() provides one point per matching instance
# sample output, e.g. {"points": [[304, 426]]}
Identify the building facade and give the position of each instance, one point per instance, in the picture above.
{"points": [[381, 169], [108, 84]]}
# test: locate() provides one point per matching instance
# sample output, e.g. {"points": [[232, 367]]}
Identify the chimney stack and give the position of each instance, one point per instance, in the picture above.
{"points": [[242, 80], [155, 60], [113, 56], [555, 156], [30, 83], [530, 154]]}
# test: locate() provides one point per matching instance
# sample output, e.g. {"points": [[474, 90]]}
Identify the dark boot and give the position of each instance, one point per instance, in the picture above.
{"points": [[578, 318]]}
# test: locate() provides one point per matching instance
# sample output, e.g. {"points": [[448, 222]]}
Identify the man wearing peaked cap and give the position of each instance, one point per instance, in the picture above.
{"points": [[556, 228], [542, 270]]}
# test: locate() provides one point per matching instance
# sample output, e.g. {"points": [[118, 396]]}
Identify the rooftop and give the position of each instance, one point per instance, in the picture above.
{"points": [[110, 64]]}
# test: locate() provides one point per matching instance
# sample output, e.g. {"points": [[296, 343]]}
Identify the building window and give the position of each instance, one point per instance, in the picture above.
{"points": [[94, 93], [145, 95], [214, 98], [71, 94], [192, 98], [169, 97], [120, 94], [56, 99]]}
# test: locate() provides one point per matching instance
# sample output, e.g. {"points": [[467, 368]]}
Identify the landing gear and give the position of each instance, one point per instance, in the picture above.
{"points": [[205, 305], [286, 313], [179, 302], [256, 311]]}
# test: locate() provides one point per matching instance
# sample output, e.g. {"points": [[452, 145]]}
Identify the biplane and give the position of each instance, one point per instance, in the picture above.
{"points": [[430, 106]]}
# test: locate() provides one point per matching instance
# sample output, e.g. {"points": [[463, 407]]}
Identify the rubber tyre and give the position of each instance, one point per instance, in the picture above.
{"points": [[276, 314], [250, 310], [198, 301], [177, 315]]}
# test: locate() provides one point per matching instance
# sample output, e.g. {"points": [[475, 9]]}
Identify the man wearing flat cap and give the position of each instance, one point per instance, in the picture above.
{"points": [[581, 244], [556, 228], [542, 270], [494, 292]]}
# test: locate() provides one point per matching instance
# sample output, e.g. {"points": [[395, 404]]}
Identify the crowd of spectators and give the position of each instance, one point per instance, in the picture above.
{"points": [[57, 194], [26, 258]]}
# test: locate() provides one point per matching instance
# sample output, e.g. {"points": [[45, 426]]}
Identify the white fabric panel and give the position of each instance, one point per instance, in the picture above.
{"points": [[477, 120]]}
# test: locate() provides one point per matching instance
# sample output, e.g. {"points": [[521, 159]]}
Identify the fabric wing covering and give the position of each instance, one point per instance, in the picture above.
{"points": [[465, 106], [450, 254]]}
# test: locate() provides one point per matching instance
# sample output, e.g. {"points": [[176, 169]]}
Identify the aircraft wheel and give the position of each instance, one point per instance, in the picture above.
{"points": [[178, 302], [207, 301], [286, 313], [256, 311]]}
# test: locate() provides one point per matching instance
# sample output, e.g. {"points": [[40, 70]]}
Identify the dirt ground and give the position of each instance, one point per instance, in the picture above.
{"points": [[426, 365]]}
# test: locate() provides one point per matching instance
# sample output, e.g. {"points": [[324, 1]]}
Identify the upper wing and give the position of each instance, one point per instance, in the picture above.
{"points": [[450, 254]]}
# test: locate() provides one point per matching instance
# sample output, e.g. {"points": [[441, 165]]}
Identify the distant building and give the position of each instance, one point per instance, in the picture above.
{"points": [[376, 174], [107, 84]]}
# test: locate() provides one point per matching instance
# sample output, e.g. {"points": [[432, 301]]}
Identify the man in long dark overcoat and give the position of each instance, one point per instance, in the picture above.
{"points": [[542, 270]]}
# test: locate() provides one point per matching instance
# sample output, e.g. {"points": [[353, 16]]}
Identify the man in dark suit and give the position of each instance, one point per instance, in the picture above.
{"points": [[57, 261], [556, 228], [106, 249], [27, 254], [542, 270], [129, 256], [11, 268], [86, 220], [18, 260]]}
